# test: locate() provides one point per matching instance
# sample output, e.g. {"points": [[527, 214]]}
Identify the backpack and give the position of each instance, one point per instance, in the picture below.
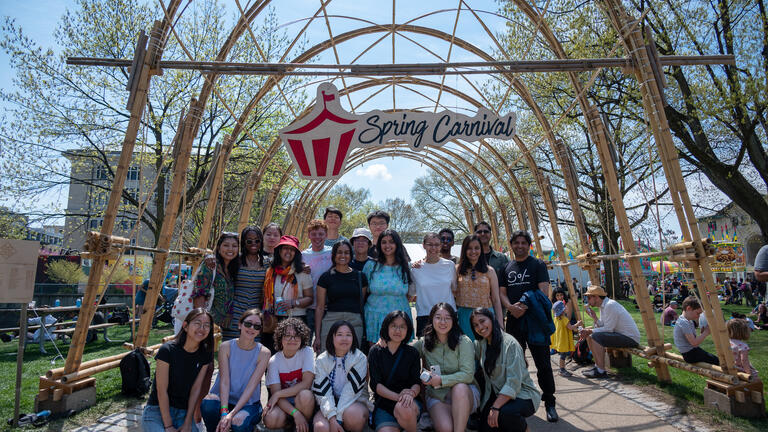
{"points": [[581, 353], [134, 370]]}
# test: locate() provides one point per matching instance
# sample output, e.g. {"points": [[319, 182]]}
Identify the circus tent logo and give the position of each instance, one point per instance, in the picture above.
{"points": [[320, 143]]}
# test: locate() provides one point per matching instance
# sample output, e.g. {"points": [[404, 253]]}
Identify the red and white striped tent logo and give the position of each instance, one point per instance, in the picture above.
{"points": [[320, 142]]}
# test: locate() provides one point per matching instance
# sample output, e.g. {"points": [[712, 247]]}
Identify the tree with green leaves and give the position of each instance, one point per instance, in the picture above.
{"points": [[64, 124]]}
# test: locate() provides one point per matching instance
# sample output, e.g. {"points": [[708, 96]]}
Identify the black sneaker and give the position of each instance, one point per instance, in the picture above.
{"points": [[593, 373], [552, 414]]}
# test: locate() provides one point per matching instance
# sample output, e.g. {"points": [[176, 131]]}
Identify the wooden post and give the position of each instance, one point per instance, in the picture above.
{"points": [[183, 150], [595, 124], [549, 202], [651, 88], [213, 191], [139, 97]]}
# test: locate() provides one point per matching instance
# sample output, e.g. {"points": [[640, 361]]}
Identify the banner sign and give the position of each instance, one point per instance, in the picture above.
{"points": [[320, 142], [728, 258], [18, 264]]}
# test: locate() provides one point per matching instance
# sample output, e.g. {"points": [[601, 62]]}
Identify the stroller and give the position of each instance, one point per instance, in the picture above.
{"points": [[164, 308]]}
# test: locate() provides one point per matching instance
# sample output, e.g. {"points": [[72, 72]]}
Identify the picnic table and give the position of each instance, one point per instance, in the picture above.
{"points": [[44, 326]]}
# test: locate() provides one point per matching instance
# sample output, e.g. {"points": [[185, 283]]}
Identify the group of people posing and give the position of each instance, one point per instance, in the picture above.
{"points": [[328, 323]]}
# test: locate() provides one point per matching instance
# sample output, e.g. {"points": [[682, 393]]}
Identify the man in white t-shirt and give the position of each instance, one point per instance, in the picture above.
{"points": [[614, 329], [434, 279], [318, 258]]}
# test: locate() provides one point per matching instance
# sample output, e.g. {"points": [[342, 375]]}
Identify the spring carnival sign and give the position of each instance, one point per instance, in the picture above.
{"points": [[320, 142]]}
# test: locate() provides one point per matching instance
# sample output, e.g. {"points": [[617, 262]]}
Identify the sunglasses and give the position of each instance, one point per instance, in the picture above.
{"points": [[483, 232], [446, 239], [248, 324], [473, 275], [250, 242]]}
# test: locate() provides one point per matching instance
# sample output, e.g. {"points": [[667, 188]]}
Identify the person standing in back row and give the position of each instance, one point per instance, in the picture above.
{"points": [[523, 279], [332, 218], [495, 259]]}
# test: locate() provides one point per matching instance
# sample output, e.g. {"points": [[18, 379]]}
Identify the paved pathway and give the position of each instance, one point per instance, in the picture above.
{"points": [[583, 405]]}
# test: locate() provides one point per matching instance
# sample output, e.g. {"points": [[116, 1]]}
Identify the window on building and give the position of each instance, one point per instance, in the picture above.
{"points": [[102, 173], [133, 173]]}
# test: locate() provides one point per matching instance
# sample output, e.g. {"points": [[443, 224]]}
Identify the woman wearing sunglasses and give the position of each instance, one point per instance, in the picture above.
{"points": [[235, 398], [477, 284], [249, 284]]}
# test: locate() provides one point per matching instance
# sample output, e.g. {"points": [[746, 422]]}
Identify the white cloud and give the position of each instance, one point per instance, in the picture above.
{"points": [[375, 171]]}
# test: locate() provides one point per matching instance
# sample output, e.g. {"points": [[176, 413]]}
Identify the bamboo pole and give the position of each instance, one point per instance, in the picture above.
{"points": [[220, 164], [183, 152], [597, 128], [84, 373], [704, 369], [549, 203], [653, 103], [75, 354], [404, 69]]}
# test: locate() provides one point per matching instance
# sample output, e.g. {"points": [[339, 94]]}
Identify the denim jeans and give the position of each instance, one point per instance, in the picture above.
{"points": [[152, 421], [211, 412]]}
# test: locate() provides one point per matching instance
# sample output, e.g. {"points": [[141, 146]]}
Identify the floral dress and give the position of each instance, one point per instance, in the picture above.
{"points": [[223, 294], [388, 292]]}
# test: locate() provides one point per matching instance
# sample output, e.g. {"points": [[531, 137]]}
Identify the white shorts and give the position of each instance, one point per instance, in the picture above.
{"points": [[475, 399]]}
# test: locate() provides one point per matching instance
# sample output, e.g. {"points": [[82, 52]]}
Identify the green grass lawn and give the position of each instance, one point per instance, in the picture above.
{"points": [[108, 384], [686, 387]]}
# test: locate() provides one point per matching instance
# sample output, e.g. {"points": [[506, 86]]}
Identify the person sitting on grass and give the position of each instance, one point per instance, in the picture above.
{"points": [[738, 332], [669, 316], [235, 398], [289, 378], [340, 381], [562, 338], [181, 365], [614, 329], [685, 337]]}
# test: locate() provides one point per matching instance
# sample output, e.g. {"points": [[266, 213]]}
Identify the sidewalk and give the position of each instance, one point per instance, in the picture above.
{"points": [[583, 405]]}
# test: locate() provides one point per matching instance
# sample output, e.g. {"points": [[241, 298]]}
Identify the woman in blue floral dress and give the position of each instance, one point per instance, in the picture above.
{"points": [[389, 278]]}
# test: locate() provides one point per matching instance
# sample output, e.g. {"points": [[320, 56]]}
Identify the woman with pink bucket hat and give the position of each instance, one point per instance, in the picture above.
{"points": [[287, 289]]}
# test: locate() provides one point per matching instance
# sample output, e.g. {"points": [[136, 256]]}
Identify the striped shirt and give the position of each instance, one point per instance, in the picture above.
{"points": [[249, 294]]}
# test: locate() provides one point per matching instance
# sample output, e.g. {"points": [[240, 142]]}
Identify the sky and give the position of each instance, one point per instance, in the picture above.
{"points": [[385, 177]]}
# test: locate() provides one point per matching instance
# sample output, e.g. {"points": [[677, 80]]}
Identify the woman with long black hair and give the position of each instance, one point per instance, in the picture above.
{"points": [[219, 281], [476, 285], [181, 366], [249, 284], [449, 355], [389, 279], [510, 395]]}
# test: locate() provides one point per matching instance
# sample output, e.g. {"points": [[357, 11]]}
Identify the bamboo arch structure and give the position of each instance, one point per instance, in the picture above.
{"points": [[451, 163]]}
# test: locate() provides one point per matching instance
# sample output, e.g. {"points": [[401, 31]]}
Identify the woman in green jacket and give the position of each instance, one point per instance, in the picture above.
{"points": [[449, 356], [510, 395]]}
